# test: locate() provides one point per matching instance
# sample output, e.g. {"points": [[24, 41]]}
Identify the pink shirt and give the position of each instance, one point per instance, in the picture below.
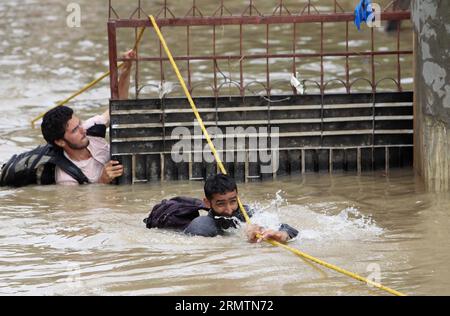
{"points": [[92, 167]]}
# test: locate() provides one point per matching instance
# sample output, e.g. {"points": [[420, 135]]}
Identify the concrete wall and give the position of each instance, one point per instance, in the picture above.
{"points": [[431, 19]]}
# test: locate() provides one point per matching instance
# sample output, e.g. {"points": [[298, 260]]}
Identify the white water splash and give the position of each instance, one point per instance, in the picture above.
{"points": [[348, 224], [267, 216], [327, 221]]}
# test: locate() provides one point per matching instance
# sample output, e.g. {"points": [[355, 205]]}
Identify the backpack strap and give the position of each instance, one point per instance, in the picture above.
{"points": [[190, 201], [69, 167], [43, 152], [72, 170]]}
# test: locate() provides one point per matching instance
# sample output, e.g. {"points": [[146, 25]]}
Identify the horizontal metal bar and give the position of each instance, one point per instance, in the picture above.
{"points": [[280, 149], [137, 139], [252, 20], [394, 118], [264, 108], [308, 99], [290, 134], [365, 105], [263, 56], [394, 131], [388, 105], [140, 181], [366, 118], [265, 122]]}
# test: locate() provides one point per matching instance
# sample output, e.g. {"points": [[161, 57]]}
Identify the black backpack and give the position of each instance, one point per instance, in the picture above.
{"points": [[176, 213], [37, 166]]}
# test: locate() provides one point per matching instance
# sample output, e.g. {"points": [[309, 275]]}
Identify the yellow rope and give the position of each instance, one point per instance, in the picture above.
{"points": [[222, 169], [88, 86]]}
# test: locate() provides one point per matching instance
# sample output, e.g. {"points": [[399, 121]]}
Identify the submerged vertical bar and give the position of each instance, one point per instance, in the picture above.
{"points": [[133, 169], [358, 160], [162, 167], [127, 177], [303, 162], [330, 160], [153, 172], [387, 156]]}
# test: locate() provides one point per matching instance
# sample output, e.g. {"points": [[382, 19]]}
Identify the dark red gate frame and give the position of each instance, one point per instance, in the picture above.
{"points": [[252, 16]]}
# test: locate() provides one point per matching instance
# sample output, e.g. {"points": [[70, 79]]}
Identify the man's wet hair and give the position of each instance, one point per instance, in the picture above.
{"points": [[219, 184], [54, 123]]}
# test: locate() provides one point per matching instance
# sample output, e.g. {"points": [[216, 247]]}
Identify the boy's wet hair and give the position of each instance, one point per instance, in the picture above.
{"points": [[219, 184], [54, 123]]}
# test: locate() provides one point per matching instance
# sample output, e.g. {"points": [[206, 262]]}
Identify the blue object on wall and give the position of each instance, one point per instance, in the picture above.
{"points": [[362, 11]]}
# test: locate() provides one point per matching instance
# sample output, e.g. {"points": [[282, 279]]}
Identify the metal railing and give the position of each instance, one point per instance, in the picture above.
{"points": [[305, 13]]}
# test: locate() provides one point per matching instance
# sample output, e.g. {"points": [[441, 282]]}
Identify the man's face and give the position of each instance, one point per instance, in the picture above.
{"points": [[75, 135], [223, 204]]}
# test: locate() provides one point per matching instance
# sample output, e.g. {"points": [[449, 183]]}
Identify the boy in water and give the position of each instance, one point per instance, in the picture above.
{"points": [[63, 129], [221, 197]]}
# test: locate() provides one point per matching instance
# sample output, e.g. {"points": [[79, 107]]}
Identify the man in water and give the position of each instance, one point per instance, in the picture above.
{"points": [[61, 128], [221, 197]]}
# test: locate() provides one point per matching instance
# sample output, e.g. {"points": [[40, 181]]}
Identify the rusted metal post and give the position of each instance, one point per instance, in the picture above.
{"points": [[399, 78], [137, 70], [267, 61], [372, 59], [256, 20], [188, 51], [294, 66], [114, 76], [347, 66], [241, 62], [216, 92]]}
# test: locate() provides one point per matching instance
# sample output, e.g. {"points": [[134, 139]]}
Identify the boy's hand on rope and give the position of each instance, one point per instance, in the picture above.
{"points": [[276, 235], [252, 232], [256, 233]]}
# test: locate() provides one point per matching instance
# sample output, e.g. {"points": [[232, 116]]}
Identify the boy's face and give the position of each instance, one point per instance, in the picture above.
{"points": [[223, 204], [75, 135]]}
